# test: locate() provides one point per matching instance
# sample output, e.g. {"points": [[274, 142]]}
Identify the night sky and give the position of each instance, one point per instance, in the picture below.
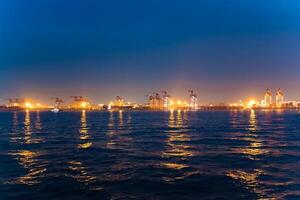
{"points": [[226, 50]]}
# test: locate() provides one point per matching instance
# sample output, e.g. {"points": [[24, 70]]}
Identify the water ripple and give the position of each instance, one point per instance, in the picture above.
{"points": [[151, 155]]}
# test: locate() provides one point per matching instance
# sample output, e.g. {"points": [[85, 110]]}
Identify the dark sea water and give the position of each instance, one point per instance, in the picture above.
{"points": [[150, 155]]}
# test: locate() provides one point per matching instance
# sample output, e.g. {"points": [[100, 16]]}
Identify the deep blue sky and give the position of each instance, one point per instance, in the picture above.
{"points": [[226, 50]]}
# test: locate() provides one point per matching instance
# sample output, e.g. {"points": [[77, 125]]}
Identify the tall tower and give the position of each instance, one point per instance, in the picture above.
{"points": [[79, 102], [119, 101], [268, 98], [151, 101], [193, 100], [166, 100], [58, 102], [155, 101], [15, 102], [279, 98]]}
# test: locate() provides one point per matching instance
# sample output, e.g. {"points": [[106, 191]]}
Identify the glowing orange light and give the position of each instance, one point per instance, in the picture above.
{"points": [[251, 103], [28, 105], [83, 104]]}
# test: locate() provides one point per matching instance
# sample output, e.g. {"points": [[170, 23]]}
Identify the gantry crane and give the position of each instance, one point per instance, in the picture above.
{"points": [[193, 100], [166, 100], [58, 101], [78, 98], [15, 101]]}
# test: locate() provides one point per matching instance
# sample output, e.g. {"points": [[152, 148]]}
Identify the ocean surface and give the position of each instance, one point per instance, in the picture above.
{"points": [[150, 155]]}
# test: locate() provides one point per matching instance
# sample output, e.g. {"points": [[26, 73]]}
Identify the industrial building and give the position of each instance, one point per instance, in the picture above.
{"points": [[193, 100], [279, 98], [267, 101], [79, 103]]}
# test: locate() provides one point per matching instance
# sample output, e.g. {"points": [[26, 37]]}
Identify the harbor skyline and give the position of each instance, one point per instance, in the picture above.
{"points": [[158, 100], [205, 97]]}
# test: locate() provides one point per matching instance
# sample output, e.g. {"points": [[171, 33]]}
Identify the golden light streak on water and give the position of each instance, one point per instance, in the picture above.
{"points": [[121, 122], [174, 166], [252, 121], [176, 144], [29, 160], [27, 128], [177, 137], [251, 180], [255, 148], [111, 131], [129, 118], [83, 131], [79, 172], [38, 124], [14, 138]]}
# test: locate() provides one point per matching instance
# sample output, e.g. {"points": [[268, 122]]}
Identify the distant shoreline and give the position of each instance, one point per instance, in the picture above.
{"points": [[150, 110]]}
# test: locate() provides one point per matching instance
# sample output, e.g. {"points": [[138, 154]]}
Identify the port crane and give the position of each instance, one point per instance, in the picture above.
{"points": [[193, 100], [15, 101], [279, 98], [165, 94], [119, 101], [58, 101], [166, 100], [79, 102], [267, 98], [118, 98], [150, 97], [192, 93], [155, 100], [153, 96], [156, 95], [78, 98]]}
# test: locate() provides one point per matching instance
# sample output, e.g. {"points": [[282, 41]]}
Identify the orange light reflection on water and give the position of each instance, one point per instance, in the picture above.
{"points": [[83, 131]]}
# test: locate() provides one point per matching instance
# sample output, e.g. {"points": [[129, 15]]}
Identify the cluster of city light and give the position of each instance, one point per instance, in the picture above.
{"points": [[251, 103], [268, 102], [28, 105], [84, 104], [157, 101], [178, 104]]}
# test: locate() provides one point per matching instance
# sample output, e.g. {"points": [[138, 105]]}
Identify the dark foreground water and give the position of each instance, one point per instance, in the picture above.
{"points": [[150, 155]]}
